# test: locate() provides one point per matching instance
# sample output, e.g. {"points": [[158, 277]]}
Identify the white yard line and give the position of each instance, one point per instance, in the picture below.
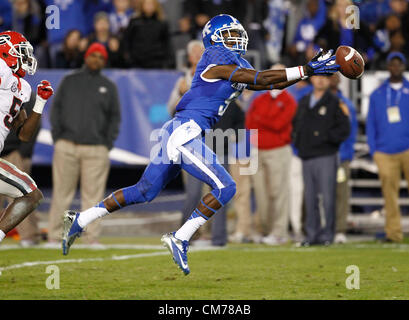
{"points": [[85, 246], [396, 247], [125, 257], [29, 264]]}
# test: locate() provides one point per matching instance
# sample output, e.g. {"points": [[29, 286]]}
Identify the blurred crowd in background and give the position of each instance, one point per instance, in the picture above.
{"points": [[148, 33]]}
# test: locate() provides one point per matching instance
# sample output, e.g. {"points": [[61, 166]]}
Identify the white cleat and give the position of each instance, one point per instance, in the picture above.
{"points": [[178, 249]]}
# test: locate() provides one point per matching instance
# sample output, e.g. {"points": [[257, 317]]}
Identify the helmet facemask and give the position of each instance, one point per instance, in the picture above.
{"points": [[23, 51], [236, 43]]}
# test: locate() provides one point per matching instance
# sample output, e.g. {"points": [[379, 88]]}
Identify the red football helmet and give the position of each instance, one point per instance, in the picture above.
{"points": [[17, 52]]}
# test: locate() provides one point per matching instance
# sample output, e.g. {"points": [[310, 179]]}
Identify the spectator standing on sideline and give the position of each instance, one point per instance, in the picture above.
{"points": [[346, 154], [85, 119], [271, 114], [387, 129], [296, 196], [19, 153], [320, 126], [298, 91]]}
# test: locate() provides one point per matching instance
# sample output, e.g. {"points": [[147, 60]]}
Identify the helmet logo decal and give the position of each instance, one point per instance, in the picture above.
{"points": [[4, 38], [14, 86], [206, 29]]}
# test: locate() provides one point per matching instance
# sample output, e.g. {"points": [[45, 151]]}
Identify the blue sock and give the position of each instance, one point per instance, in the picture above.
{"points": [[195, 221]]}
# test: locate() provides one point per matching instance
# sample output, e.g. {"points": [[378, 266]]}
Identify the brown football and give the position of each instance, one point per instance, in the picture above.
{"points": [[351, 62]]}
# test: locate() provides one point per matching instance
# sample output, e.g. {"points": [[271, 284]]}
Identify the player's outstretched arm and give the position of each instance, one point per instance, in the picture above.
{"points": [[278, 86], [30, 125], [234, 73], [321, 64]]}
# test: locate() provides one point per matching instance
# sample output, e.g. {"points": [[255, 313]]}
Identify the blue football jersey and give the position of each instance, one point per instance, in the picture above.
{"points": [[207, 99]]}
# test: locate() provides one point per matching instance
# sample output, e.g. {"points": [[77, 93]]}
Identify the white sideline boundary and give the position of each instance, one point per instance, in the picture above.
{"points": [[120, 155], [112, 258], [125, 257], [396, 246], [86, 246]]}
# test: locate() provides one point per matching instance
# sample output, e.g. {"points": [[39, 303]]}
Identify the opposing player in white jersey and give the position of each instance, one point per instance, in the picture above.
{"points": [[17, 59]]}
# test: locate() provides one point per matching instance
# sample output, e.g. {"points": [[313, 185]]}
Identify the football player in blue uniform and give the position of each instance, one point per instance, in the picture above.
{"points": [[221, 76]]}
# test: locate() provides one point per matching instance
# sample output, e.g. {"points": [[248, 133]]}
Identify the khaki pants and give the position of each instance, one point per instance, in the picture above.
{"points": [[343, 194], [390, 168], [28, 228], [296, 195], [73, 162], [241, 200], [272, 189]]}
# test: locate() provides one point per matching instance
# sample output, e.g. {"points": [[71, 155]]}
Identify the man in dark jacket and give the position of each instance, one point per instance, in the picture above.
{"points": [[85, 119], [320, 126]]}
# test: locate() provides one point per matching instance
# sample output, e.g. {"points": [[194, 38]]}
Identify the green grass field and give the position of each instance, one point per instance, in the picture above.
{"points": [[235, 272]]}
